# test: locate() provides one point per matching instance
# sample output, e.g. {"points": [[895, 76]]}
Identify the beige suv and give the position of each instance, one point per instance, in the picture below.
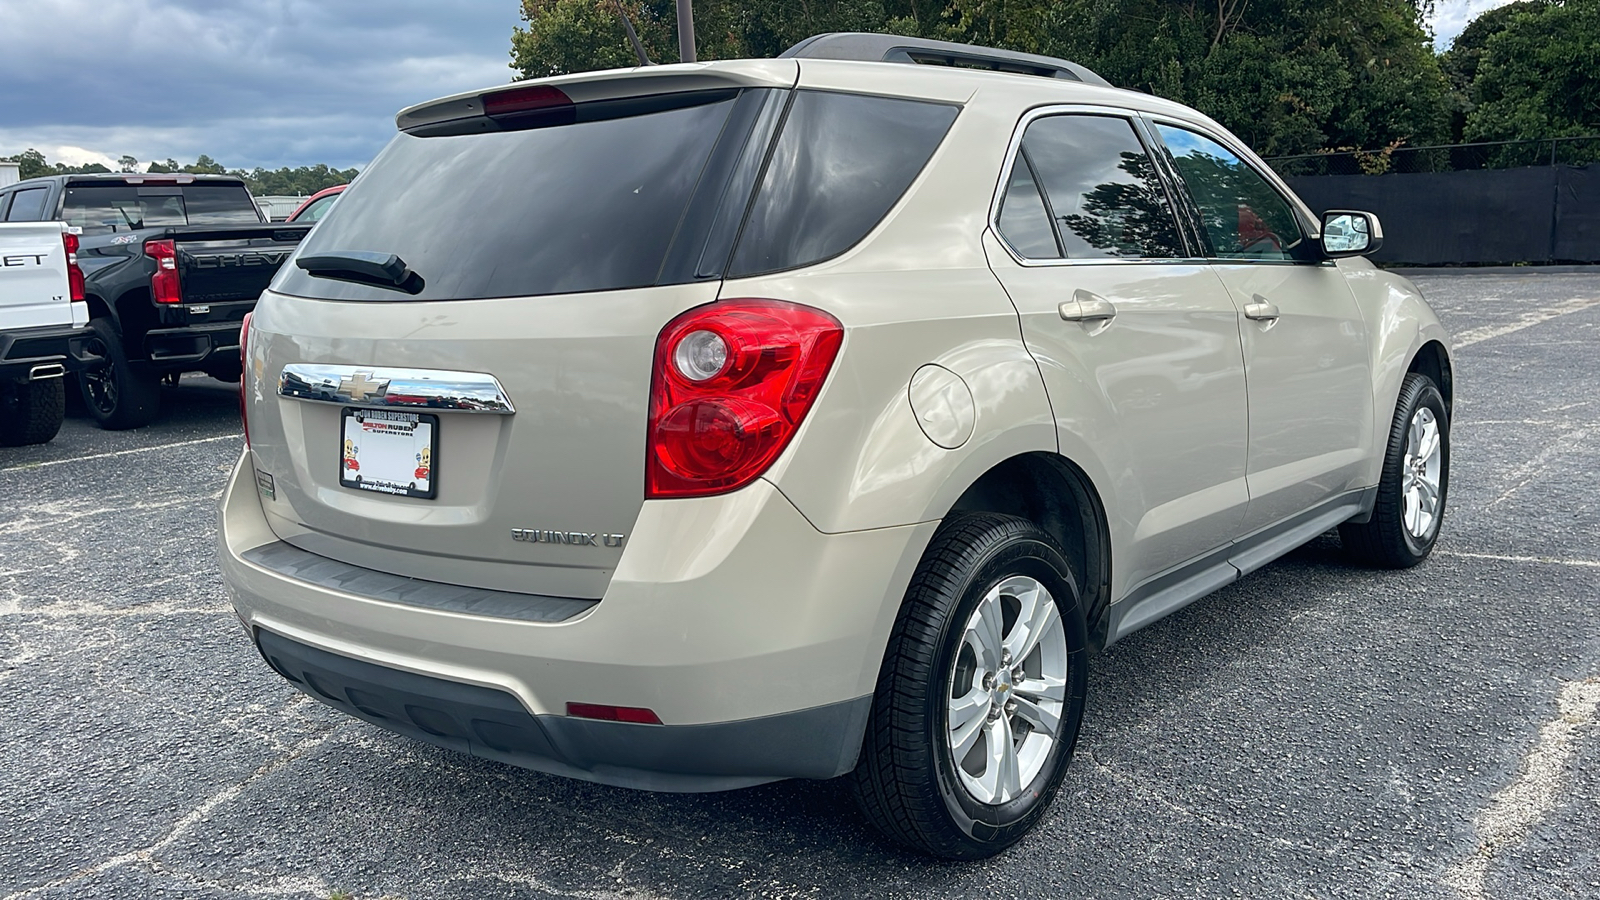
{"points": [[696, 426]]}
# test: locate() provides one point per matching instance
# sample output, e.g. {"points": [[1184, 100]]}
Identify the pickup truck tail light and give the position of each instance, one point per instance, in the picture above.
{"points": [[74, 274], [244, 375], [732, 382], [165, 286]]}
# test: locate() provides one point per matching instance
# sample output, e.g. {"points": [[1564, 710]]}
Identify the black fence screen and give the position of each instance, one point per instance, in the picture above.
{"points": [[1545, 214]]}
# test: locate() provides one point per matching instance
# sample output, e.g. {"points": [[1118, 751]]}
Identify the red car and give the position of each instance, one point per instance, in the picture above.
{"points": [[317, 205]]}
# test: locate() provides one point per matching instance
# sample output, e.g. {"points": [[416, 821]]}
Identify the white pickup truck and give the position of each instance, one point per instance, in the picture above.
{"points": [[43, 333]]}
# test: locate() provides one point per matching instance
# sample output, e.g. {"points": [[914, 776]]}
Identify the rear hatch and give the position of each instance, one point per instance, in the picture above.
{"points": [[523, 263], [542, 250]]}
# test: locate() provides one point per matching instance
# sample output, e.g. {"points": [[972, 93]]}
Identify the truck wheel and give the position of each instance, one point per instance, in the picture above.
{"points": [[31, 412], [117, 395], [1411, 491], [981, 692]]}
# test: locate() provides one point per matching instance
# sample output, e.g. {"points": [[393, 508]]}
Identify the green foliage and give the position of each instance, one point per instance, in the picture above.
{"points": [[1537, 73], [1289, 76], [33, 165], [262, 182]]}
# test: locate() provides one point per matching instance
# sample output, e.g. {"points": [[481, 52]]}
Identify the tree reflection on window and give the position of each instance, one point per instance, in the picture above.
{"points": [[1242, 215], [1127, 218]]}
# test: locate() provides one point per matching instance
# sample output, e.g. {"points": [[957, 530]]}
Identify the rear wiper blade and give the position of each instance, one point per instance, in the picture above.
{"points": [[380, 270]]}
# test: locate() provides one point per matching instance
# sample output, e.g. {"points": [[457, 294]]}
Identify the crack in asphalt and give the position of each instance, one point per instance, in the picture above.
{"points": [[146, 855], [1511, 815]]}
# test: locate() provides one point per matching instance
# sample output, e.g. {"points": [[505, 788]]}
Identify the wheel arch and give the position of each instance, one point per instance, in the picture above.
{"points": [[1057, 495], [1433, 360]]}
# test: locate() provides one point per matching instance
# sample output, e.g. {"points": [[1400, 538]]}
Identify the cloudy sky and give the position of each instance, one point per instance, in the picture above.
{"points": [[261, 82]]}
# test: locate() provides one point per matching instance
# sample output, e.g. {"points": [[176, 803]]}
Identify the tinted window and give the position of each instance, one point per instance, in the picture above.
{"points": [[112, 207], [1024, 222], [219, 204], [838, 167], [1103, 189], [1242, 215], [588, 206], [28, 205]]}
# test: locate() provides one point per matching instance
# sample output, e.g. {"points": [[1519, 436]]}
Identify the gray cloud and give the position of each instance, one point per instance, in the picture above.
{"points": [[269, 82]]}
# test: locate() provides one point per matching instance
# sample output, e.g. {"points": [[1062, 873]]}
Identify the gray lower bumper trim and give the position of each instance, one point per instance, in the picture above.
{"points": [[321, 571], [822, 742]]}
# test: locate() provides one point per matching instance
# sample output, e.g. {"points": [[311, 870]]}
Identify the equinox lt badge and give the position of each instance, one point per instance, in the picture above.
{"points": [[535, 536]]}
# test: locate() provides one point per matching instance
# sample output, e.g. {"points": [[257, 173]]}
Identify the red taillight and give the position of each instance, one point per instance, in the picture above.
{"points": [[524, 99], [732, 382], [635, 714], [164, 284], [244, 374], [74, 274]]}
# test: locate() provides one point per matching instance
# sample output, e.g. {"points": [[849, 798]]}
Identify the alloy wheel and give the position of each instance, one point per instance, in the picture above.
{"points": [[1007, 690], [1420, 472]]}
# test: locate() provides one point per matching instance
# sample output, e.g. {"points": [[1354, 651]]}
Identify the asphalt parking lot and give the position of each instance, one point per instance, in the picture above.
{"points": [[1315, 730]]}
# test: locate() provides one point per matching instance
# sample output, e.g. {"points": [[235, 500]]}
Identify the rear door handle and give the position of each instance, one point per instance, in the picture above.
{"points": [[1086, 306], [1261, 309]]}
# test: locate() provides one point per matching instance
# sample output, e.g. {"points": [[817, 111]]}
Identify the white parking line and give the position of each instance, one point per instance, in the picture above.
{"points": [[92, 456], [1551, 560], [1514, 811], [1475, 335]]}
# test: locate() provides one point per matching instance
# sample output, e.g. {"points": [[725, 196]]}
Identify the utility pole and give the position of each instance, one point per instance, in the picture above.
{"points": [[686, 31]]}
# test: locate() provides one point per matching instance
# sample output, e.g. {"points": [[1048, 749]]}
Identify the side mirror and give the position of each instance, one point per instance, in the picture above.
{"points": [[1349, 233]]}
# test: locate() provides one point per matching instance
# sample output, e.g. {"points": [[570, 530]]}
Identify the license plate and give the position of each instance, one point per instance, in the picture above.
{"points": [[390, 452]]}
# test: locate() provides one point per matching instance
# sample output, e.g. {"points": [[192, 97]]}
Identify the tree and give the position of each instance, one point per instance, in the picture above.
{"points": [[32, 164], [1538, 74], [298, 181], [1289, 76]]}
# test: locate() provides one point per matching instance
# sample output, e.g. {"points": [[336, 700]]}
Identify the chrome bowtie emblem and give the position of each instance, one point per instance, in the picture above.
{"points": [[358, 387]]}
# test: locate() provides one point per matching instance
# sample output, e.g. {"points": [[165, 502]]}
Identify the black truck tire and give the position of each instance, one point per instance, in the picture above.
{"points": [[31, 412], [118, 395]]}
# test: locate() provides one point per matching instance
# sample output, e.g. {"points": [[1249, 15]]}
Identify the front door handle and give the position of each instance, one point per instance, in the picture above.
{"points": [[1086, 306], [1261, 309]]}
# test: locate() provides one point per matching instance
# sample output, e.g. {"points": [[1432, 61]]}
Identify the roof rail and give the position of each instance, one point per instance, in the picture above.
{"points": [[897, 48]]}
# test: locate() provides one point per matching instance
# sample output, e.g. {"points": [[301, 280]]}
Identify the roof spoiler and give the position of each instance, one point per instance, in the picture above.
{"points": [[896, 48]]}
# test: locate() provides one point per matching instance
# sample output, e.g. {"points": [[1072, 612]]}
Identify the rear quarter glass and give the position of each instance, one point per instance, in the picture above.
{"points": [[840, 164]]}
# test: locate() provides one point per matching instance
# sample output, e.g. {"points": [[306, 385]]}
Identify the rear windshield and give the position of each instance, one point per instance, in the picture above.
{"points": [[627, 202], [107, 208], [589, 206]]}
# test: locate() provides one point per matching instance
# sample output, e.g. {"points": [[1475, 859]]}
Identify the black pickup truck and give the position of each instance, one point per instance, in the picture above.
{"points": [[171, 264]]}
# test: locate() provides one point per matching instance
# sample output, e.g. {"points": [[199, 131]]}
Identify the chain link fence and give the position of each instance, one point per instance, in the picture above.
{"points": [[1398, 159]]}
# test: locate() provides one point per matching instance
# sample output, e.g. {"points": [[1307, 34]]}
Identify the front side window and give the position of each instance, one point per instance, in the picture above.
{"points": [[1242, 216], [1104, 197]]}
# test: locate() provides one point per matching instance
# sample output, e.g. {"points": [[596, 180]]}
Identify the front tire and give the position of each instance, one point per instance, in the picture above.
{"points": [[1416, 478], [31, 412], [118, 395], [981, 693]]}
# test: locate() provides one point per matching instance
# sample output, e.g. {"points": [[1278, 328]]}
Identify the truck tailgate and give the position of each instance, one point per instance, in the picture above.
{"points": [[33, 276], [223, 264]]}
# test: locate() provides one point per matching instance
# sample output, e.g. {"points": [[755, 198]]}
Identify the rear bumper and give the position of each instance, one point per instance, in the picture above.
{"points": [[45, 352], [755, 638], [813, 743], [192, 347]]}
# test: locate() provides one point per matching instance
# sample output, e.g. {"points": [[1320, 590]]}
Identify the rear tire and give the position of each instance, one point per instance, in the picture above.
{"points": [[118, 395], [1415, 481], [31, 412], [939, 691]]}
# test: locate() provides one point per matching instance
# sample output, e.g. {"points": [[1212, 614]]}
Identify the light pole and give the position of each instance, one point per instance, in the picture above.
{"points": [[686, 31]]}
